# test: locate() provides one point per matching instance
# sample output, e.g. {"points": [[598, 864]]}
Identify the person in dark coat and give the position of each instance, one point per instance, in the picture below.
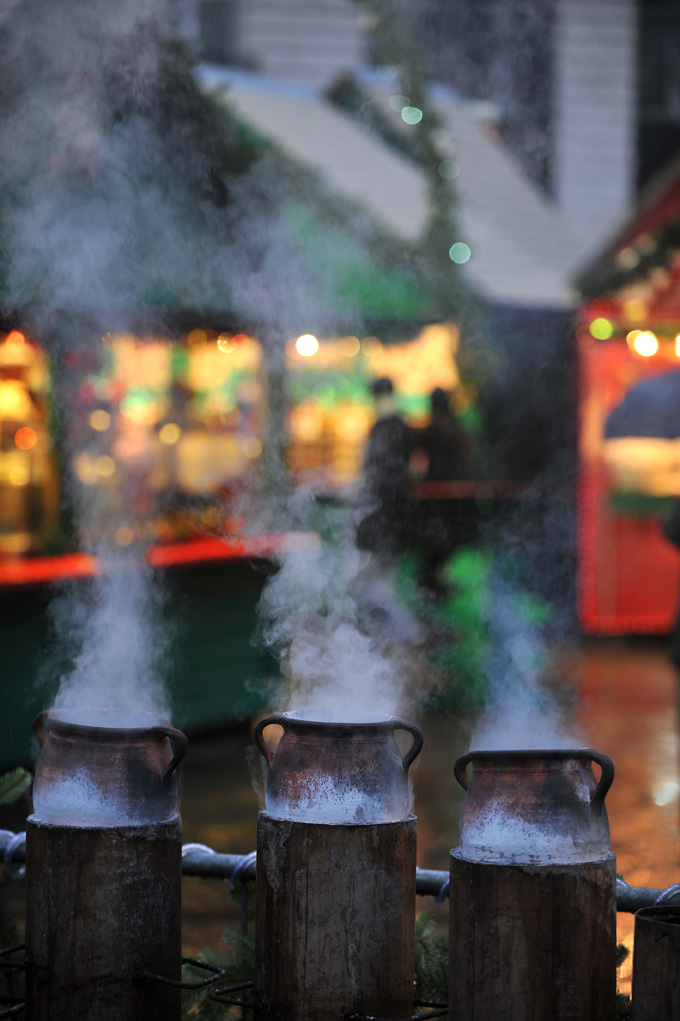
{"points": [[385, 501], [447, 522]]}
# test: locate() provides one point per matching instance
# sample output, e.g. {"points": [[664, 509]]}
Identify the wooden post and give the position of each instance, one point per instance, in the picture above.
{"points": [[335, 919], [532, 942], [103, 904], [656, 964]]}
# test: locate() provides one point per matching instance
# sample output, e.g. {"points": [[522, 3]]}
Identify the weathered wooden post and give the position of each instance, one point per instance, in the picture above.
{"points": [[656, 964], [103, 869], [336, 865], [533, 890]]}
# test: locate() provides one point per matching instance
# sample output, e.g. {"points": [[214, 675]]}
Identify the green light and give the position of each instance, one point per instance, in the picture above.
{"points": [[449, 170], [398, 102], [412, 115], [459, 252], [601, 328]]}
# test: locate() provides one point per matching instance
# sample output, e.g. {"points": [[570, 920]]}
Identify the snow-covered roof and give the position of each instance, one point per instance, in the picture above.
{"points": [[522, 252]]}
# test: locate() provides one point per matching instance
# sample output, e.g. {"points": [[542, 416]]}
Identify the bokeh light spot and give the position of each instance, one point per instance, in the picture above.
{"points": [[307, 345], [25, 438], [398, 102], [19, 475], [646, 344], [449, 170], [125, 535], [100, 420], [459, 252], [601, 328], [169, 433], [251, 447], [105, 466], [412, 115]]}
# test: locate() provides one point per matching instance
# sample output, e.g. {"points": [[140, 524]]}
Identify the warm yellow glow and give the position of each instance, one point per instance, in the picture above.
{"points": [[14, 400], [225, 343], [25, 438], [371, 347], [105, 466], [100, 420], [125, 535], [169, 433], [632, 337], [646, 344], [19, 475], [634, 310], [197, 337], [15, 337], [251, 447], [307, 345], [350, 346], [677, 345]]}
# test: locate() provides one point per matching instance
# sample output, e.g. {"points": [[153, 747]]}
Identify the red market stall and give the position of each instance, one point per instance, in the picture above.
{"points": [[628, 333]]}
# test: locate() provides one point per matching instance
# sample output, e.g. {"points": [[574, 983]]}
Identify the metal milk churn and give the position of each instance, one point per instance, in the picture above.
{"points": [[338, 772], [106, 767], [534, 806], [336, 866], [533, 889]]}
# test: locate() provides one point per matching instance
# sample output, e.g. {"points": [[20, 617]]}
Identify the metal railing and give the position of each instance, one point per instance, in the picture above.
{"points": [[201, 860]]}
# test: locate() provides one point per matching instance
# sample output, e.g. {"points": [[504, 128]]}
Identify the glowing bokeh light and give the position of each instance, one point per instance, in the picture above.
{"points": [[635, 310], [307, 345], [411, 115], [197, 337], [251, 447], [601, 328], [225, 343], [25, 438], [449, 170], [371, 347], [677, 345], [459, 252], [15, 337], [105, 466], [100, 420], [646, 344], [398, 102], [169, 433], [350, 346], [125, 535], [19, 475]]}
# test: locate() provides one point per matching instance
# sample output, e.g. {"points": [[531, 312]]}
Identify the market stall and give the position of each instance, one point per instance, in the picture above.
{"points": [[628, 341]]}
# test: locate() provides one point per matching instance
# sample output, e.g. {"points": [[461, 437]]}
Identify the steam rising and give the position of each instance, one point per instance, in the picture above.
{"points": [[523, 635], [346, 643], [120, 640]]}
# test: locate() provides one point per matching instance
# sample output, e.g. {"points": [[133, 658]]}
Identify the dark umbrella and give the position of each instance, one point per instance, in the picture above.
{"points": [[652, 409]]}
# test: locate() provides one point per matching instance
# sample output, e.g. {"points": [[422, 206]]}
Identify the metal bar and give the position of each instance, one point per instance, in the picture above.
{"points": [[429, 882], [224, 995], [215, 976]]}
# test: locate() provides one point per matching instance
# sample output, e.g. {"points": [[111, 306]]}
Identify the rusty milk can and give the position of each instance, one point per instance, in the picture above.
{"points": [[106, 767], [338, 772], [533, 889]]}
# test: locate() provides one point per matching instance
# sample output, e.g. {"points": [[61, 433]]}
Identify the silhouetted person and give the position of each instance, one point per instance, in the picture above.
{"points": [[385, 498], [447, 522]]}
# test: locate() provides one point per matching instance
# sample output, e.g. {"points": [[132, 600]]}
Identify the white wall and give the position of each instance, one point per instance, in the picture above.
{"points": [[595, 115]]}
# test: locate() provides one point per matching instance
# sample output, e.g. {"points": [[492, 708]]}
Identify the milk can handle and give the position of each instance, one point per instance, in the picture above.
{"points": [[39, 727], [179, 740], [417, 736], [607, 777], [460, 770], [277, 718]]}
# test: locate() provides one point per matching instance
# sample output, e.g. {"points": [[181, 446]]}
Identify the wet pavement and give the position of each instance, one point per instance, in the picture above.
{"points": [[621, 693]]}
